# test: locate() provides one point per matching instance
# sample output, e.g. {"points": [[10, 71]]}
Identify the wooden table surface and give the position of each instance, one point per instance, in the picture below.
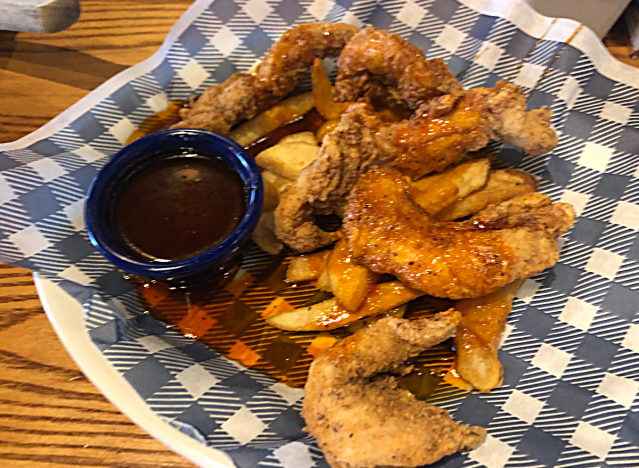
{"points": [[50, 414]]}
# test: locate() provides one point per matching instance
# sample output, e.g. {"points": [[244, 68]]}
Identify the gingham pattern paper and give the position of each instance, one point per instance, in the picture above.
{"points": [[571, 350]]}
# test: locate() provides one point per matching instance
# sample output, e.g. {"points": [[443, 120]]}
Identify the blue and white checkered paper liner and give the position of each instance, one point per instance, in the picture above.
{"points": [[571, 350]]}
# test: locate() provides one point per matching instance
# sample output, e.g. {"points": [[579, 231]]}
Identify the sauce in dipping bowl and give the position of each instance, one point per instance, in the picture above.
{"points": [[175, 205]]}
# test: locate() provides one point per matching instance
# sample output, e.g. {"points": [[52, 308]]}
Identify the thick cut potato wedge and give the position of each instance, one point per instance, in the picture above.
{"points": [[502, 185], [306, 267], [323, 281], [279, 182], [477, 339], [264, 234], [278, 115], [323, 93], [439, 191], [328, 315], [301, 137], [287, 159], [348, 281], [271, 196]]}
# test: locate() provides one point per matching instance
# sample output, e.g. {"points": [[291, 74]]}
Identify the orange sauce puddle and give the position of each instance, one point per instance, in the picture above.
{"points": [[229, 318], [158, 122]]}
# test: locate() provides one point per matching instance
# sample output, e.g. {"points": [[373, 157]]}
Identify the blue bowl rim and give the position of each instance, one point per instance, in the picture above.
{"points": [[227, 150]]}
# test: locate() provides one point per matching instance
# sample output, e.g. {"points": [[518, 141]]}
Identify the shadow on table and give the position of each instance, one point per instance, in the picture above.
{"points": [[59, 64]]}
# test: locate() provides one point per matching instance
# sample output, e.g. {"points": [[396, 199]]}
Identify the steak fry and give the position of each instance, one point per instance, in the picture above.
{"points": [[389, 233], [477, 340], [364, 420], [329, 314], [438, 191], [349, 281], [503, 184]]}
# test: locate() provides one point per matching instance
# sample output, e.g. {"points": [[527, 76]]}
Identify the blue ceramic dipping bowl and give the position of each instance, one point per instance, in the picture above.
{"points": [[103, 190]]}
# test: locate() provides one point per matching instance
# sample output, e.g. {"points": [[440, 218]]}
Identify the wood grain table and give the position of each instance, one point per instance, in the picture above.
{"points": [[50, 414]]}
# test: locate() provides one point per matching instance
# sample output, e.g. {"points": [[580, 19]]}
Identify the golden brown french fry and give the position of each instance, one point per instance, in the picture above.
{"points": [[328, 315], [264, 234], [306, 267], [301, 137], [438, 191], [483, 322], [348, 281], [324, 282], [279, 182], [271, 196], [323, 93], [327, 127], [287, 159], [278, 115], [502, 185]]}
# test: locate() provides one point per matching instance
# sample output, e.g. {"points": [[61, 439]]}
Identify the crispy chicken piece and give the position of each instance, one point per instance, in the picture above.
{"points": [[323, 186], [376, 56], [243, 96], [477, 340], [443, 130], [390, 233], [534, 211], [364, 420]]}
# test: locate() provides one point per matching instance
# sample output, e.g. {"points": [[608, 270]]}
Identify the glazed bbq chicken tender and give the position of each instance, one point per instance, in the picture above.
{"points": [[358, 414], [243, 96], [389, 233], [443, 130]]}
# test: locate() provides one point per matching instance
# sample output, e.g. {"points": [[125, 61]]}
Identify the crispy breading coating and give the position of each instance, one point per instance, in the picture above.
{"points": [[375, 56], [364, 420], [389, 233], [243, 96]]}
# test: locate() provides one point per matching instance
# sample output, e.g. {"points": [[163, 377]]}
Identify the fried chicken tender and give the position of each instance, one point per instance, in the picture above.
{"points": [[443, 130], [534, 211], [364, 420], [389, 233], [243, 96], [376, 56], [323, 186]]}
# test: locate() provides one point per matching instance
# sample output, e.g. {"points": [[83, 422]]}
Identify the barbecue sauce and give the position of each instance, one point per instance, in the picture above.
{"points": [[178, 206], [160, 121]]}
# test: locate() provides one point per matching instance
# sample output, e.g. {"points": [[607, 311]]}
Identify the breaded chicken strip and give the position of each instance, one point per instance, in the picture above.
{"points": [[363, 420], [323, 186], [441, 135], [444, 129], [243, 96], [534, 211], [389, 233], [376, 56]]}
